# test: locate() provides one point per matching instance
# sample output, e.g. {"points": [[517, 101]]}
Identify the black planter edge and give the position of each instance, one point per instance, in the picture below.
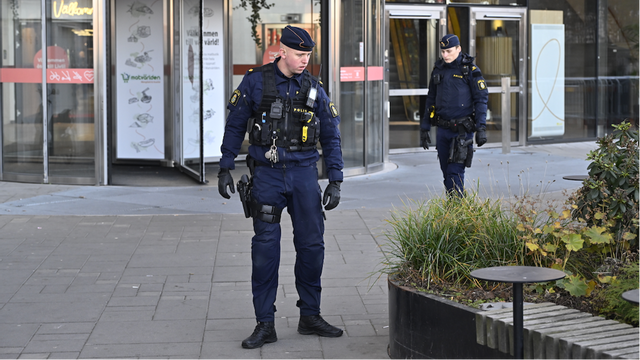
{"points": [[427, 326]]}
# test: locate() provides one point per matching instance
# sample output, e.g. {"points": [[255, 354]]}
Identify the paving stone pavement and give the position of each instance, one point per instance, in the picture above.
{"points": [[164, 272]]}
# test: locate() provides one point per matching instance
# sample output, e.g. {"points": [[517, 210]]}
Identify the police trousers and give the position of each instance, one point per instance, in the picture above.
{"points": [[297, 189], [453, 173]]}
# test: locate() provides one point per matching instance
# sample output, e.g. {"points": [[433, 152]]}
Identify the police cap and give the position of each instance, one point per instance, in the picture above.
{"points": [[449, 41], [297, 38]]}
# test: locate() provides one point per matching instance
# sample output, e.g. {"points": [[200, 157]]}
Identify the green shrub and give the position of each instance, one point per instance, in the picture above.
{"points": [[609, 197], [443, 239], [554, 239], [614, 306]]}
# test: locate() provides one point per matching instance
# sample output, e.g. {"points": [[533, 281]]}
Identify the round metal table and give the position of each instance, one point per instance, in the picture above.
{"points": [[631, 296], [518, 275]]}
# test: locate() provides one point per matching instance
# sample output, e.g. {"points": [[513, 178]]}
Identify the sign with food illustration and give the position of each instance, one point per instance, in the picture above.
{"points": [[139, 80], [214, 99]]}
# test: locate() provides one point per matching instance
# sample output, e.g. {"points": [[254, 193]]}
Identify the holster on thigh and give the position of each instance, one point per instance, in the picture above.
{"points": [[267, 213]]}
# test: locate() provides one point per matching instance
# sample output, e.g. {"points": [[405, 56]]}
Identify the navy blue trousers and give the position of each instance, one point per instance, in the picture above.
{"points": [[297, 189], [453, 173]]}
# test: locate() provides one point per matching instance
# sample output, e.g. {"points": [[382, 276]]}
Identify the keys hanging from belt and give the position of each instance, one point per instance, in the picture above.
{"points": [[272, 154]]}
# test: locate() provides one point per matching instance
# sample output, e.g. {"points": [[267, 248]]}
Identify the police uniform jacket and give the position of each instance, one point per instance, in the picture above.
{"points": [[246, 101], [457, 95]]}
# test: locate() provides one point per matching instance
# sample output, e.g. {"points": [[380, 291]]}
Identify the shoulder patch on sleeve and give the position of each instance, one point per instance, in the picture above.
{"points": [[235, 97], [334, 111], [482, 85]]}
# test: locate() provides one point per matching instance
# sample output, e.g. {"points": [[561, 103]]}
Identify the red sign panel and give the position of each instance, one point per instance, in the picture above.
{"points": [[70, 76], [375, 73], [353, 73], [54, 76]]}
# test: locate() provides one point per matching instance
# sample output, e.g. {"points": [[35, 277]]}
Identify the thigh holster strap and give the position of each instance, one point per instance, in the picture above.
{"points": [[267, 213]]}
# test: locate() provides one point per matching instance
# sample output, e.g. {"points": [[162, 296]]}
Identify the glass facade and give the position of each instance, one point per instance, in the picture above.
{"points": [[352, 82], [375, 86], [65, 126], [618, 63], [573, 67], [70, 89], [576, 21], [412, 51], [255, 45], [22, 111], [358, 69]]}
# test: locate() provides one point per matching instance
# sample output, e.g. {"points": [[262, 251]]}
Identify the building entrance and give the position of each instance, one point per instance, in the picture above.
{"points": [[493, 35], [412, 49], [168, 94], [47, 78]]}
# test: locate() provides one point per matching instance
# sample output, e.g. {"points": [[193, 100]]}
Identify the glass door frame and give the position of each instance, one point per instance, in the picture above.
{"points": [[196, 172], [406, 11], [509, 14]]}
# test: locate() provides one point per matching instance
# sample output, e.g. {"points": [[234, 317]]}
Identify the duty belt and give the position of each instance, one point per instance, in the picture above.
{"points": [[449, 124]]}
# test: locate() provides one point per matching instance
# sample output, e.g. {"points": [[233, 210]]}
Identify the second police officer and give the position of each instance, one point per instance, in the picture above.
{"points": [[286, 114], [457, 105]]}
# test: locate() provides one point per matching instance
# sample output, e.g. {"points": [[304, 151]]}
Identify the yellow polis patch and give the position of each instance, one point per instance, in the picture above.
{"points": [[334, 111], [481, 85], [235, 97]]}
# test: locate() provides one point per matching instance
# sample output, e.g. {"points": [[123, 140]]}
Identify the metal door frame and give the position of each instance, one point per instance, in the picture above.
{"points": [[176, 64], [509, 14], [405, 11]]}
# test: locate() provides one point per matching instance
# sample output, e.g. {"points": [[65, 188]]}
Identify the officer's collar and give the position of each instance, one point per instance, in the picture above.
{"points": [[280, 76]]}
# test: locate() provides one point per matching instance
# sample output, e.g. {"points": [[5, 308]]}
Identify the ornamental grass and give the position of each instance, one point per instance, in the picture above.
{"points": [[443, 239]]}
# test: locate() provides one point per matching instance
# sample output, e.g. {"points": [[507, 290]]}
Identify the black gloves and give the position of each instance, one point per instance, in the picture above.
{"points": [[224, 180], [332, 191], [481, 137], [425, 138]]}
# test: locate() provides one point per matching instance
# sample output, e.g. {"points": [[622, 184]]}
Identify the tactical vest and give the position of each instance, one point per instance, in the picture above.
{"points": [[290, 122]]}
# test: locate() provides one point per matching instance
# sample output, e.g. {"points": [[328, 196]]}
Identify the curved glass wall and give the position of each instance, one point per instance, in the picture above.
{"points": [[22, 111], [70, 94], [354, 75], [375, 85], [255, 45], [352, 82], [359, 80], [60, 149]]}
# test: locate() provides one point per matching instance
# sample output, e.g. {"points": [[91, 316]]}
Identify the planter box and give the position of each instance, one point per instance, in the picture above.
{"points": [[427, 326]]}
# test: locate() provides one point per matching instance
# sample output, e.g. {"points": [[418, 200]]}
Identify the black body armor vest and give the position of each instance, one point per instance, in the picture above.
{"points": [[290, 122]]}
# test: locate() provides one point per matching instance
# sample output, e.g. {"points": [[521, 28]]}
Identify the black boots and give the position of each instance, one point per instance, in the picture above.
{"points": [[265, 332], [315, 324]]}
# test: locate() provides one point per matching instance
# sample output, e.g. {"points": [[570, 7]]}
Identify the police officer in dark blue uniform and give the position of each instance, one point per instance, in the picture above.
{"points": [[286, 114], [457, 105]]}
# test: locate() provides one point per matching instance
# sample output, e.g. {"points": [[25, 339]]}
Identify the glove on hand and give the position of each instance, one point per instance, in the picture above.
{"points": [[225, 179], [481, 137], [332, 191], [425, 138]]}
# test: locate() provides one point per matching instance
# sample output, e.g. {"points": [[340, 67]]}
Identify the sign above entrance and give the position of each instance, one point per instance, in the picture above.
{"points": [[82, 9]]}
